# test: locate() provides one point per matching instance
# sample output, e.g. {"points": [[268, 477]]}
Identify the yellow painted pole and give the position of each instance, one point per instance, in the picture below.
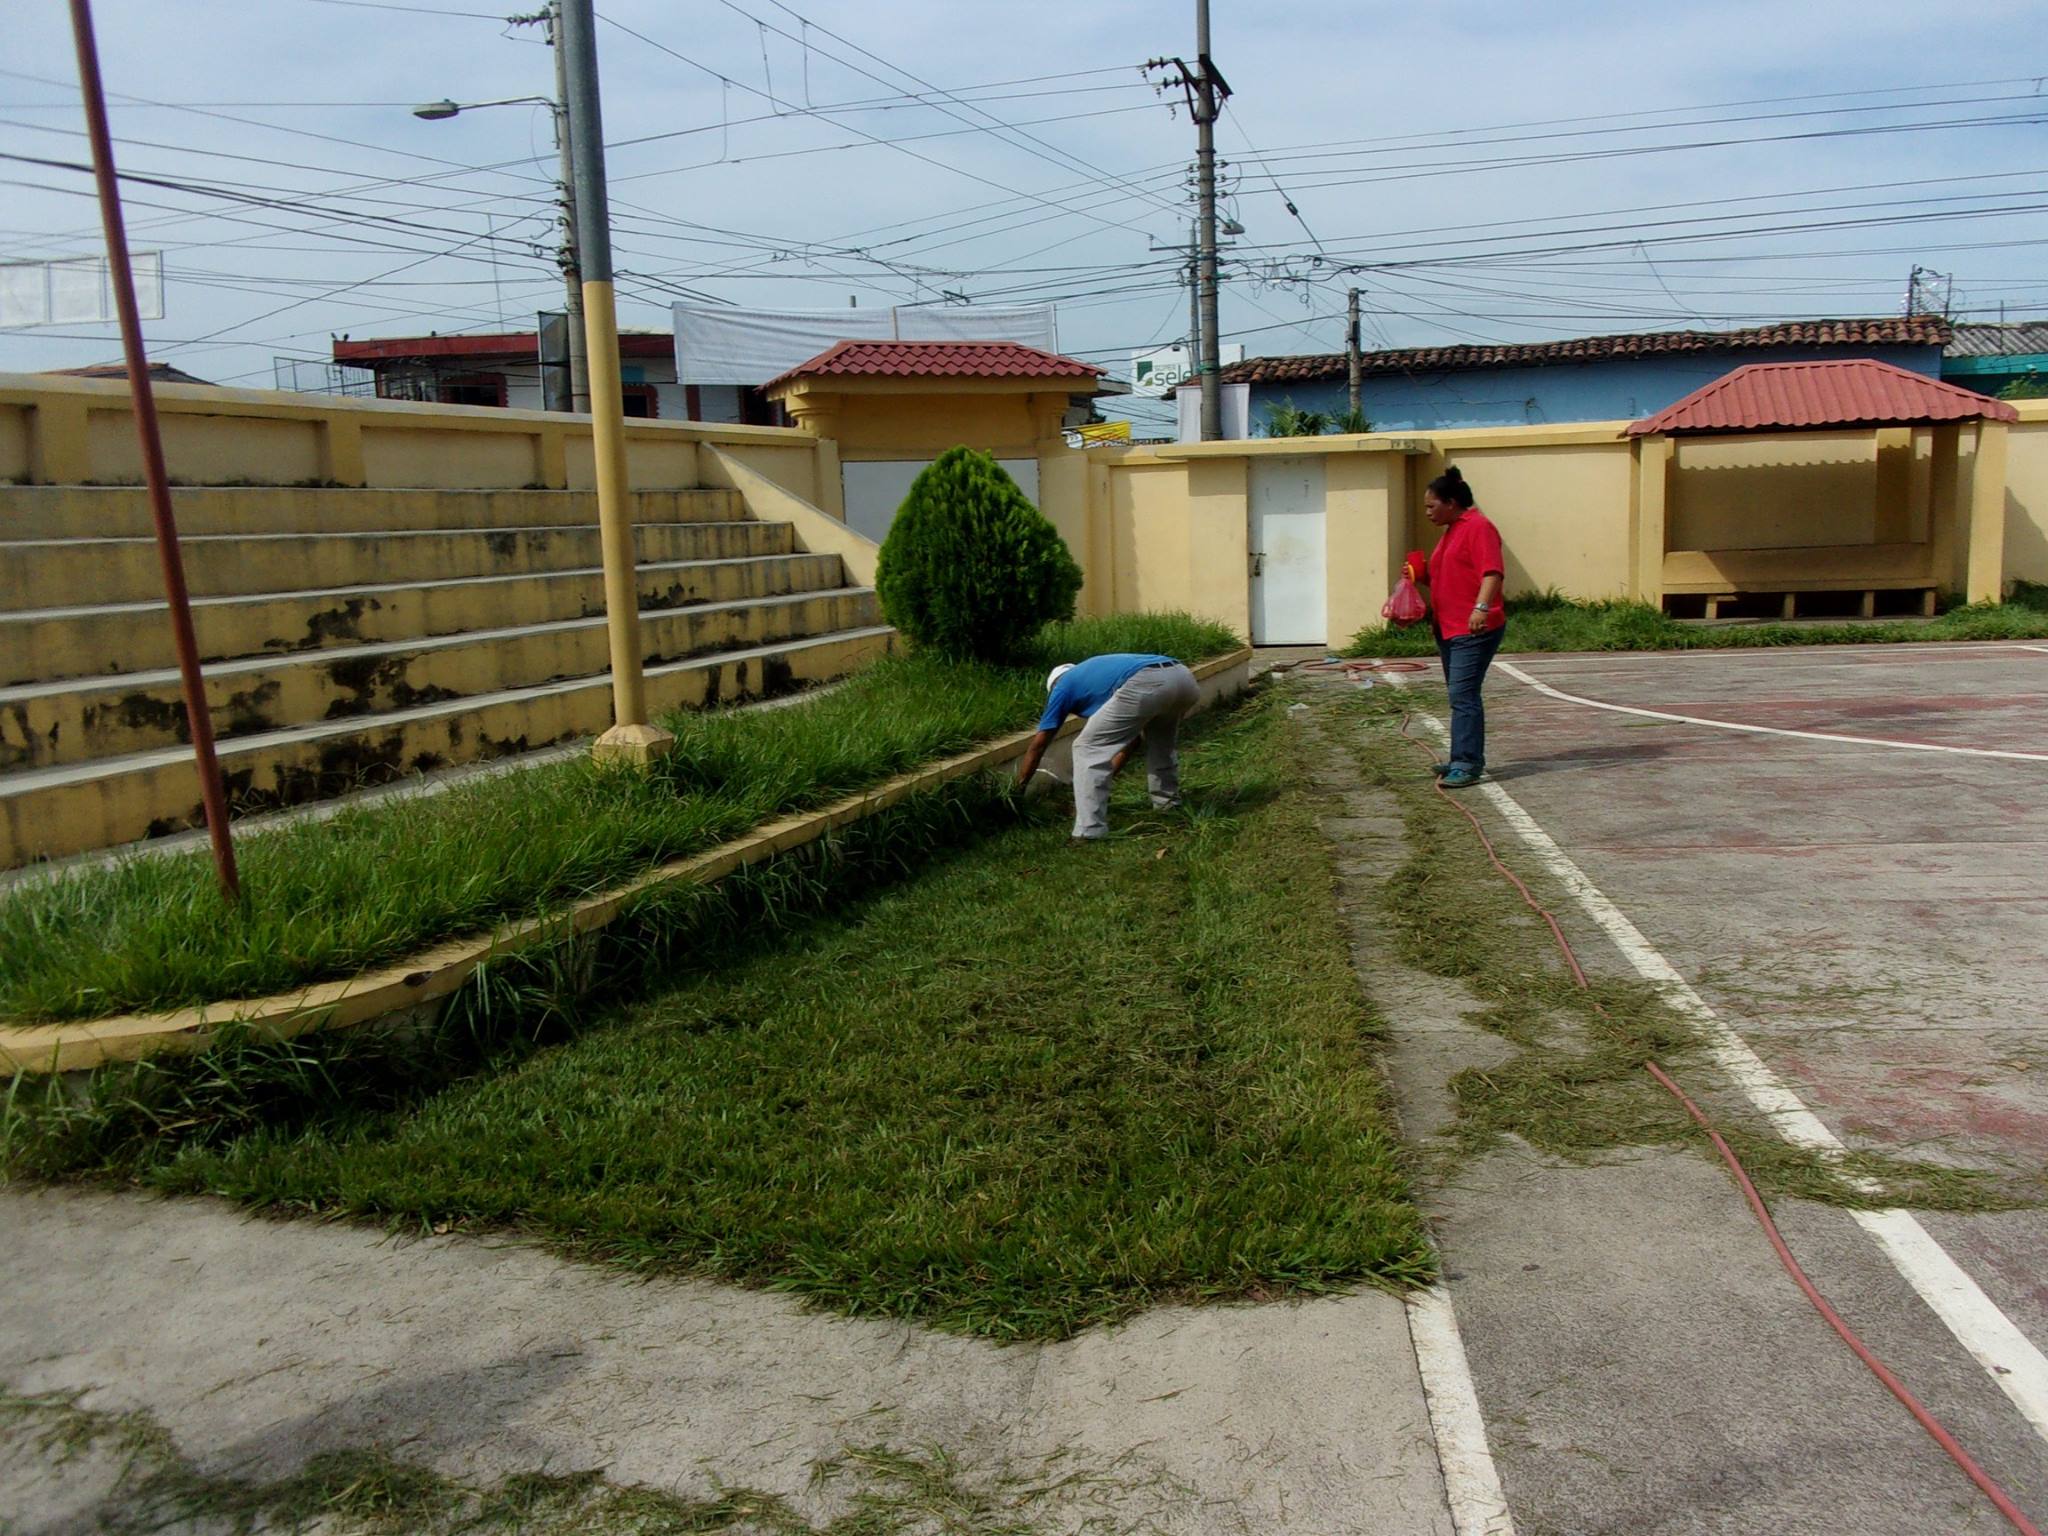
{"points": [[632, 739]]}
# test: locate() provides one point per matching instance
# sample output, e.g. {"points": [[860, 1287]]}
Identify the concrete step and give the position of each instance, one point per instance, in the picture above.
{"points": [[71, 573], [122, 512], [53, 812], [52, 724], [53, 644]]}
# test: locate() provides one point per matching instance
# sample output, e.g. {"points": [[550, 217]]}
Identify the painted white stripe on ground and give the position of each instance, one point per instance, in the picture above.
{"points": [[1472, 1486], [2041, 648], [2014, 1364], [1762, 730]]}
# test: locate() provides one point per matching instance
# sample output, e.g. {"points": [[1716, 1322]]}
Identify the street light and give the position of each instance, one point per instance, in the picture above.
{"points": [[565, 183], [435, 111]]}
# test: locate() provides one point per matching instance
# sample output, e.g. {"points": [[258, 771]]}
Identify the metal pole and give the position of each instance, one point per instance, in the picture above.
{"points": [[1205, 165], [197, 717], [1194, 302], [1353, 361], [572, 271], [631, 739]]}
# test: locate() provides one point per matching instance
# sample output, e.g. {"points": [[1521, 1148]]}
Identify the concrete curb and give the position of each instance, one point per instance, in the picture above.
{"points": [[426, 977]]}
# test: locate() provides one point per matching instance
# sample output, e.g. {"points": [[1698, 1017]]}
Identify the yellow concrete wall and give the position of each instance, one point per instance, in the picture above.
{"points": [[2026, 494], [56, 430], [1735, 493]]}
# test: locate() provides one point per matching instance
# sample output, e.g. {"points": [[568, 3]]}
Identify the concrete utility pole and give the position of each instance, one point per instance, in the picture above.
{"points": [[572, 268], [1206, 92], [1208, 102], [1354, 362], [631, 739]]}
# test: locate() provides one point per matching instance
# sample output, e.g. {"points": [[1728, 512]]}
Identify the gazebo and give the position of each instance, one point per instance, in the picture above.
{"points": [[1758, 482]]}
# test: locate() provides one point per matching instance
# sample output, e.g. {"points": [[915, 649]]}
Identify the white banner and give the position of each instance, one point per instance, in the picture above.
{"points": [[1161, 373], [726, 345], [78, 290]]}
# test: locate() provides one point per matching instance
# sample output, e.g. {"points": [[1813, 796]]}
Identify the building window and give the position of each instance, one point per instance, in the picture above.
{"points": [[639, 400], [472, 389]]}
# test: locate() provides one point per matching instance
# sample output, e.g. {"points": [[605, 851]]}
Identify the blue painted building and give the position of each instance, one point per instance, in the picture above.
{"points": [[1589, 378], [1988, 358]]}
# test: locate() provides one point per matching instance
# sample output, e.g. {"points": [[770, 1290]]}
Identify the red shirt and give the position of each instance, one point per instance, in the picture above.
{"points": [[1468, 552]]}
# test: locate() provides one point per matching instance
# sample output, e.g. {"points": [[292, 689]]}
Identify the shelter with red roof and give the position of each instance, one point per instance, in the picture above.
{"points": [[1912, 503], [894, 406]]}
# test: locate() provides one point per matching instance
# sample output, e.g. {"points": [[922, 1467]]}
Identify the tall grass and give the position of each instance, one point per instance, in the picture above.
{"points": [[1548, 621], [1037, 1087], [329, 898]]}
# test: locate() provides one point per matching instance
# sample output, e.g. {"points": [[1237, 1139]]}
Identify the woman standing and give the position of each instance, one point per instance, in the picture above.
{"points": [[1465, 573]]}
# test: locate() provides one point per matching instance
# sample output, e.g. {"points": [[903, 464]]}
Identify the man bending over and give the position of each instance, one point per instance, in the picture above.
{"points": [[1123, 698]]}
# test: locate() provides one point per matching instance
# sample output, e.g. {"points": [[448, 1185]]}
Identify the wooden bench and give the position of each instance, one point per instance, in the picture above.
{"points": [[1723, 575]]}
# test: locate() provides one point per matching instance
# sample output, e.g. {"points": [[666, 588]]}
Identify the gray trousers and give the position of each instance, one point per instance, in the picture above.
{"points": [[1150, 703]]}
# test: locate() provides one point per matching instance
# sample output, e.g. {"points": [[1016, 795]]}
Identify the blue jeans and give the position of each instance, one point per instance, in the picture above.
{"points": [[1466, 658]]}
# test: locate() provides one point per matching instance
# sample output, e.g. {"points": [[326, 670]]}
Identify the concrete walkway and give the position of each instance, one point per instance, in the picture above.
{"points": [[260, 1343]]}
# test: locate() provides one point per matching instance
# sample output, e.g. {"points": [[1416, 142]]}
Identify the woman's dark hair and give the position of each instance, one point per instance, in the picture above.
{"points": [[1450, 486]]}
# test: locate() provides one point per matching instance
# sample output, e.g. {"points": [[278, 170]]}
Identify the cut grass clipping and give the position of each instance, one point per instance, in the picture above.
{"points": [[1549, 622], [149, 1486], [329, 898], [1036, 1088], [1576, 1087]]}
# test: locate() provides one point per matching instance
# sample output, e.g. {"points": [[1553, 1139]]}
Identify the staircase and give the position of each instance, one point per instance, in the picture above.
{"points": [[353, 637]]}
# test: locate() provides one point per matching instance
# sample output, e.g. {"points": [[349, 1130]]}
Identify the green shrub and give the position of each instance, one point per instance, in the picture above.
{"points": [[970, 568]]}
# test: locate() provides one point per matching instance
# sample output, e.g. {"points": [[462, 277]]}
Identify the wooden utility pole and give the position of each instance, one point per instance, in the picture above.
{"points": [[198, 718], [1353, 359], [631, 739]]}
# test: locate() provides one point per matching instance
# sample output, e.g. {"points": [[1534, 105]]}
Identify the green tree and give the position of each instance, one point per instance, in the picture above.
{"points": [[970, 568], [2031, 387], [1286, 419]]}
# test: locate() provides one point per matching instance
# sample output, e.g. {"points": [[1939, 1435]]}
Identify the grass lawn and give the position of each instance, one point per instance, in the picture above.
{"points": [[329, 898], [1037, 1087], [1548, 622]]}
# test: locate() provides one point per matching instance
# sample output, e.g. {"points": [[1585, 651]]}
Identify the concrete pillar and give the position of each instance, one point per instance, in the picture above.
{"points": [[1944, 497], [1648, 513], [1219, 541], [341, 449], [1364, 518], [59, 447], [1984, 530], [1892, 518], [831, 495], [551, 457]]}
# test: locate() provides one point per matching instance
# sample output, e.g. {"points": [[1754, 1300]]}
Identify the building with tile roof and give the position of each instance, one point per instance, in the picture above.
{"points": [[1585, 378], [1993, 357]]}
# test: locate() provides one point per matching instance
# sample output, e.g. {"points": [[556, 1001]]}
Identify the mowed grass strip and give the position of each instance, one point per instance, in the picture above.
{"points": [[329, 898], [1547, 621], [1036, 1088]]}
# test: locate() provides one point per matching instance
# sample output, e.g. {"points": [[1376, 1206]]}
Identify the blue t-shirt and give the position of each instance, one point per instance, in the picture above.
{"points": [[1087, 686]]}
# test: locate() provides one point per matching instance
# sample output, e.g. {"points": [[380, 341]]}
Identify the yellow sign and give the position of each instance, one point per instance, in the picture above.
{"points": [[1105, 432]]}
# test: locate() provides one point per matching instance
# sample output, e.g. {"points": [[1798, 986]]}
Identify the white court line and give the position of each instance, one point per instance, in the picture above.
{"points": [[1471, 1485], [1764, 730], [2014, 1364]]}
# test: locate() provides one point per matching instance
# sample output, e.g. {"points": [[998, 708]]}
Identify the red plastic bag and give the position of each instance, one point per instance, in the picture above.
{"points": [[1405, 605]]}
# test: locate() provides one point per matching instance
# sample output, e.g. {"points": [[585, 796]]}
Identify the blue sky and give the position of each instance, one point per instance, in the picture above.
{"points": [[1481, 171]]}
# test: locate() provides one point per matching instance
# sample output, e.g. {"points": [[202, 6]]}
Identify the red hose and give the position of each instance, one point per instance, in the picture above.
{"points": [[1898, 1389]]}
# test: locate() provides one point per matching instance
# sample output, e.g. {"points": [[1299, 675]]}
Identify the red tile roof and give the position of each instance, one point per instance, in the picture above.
{"points": [[938, 360], [1913, 330], [513, 346], [1851, 392]]}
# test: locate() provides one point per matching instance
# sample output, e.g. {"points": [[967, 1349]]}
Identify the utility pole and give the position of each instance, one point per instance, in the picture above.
{"points": [[631, 740], [1206, 90], [572, 267], [1354, 362], [1194, 300]]}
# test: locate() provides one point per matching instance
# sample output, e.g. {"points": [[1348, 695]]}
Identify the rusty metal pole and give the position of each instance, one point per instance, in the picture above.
{"points": [[197, 716]]}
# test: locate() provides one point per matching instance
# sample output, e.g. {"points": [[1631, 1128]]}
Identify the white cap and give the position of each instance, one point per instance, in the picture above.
{"points": [[1056, 673]]}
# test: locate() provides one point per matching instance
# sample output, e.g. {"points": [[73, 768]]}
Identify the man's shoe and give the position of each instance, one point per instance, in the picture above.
{"points": [[1440, 769], [1461, 776]]}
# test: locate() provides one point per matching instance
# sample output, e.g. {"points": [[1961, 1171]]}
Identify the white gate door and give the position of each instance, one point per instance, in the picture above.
{"points": [[1289, 604]]}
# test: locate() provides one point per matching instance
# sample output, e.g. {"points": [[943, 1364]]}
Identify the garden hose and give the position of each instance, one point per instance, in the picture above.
{"points": [[1863, 1352]]}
